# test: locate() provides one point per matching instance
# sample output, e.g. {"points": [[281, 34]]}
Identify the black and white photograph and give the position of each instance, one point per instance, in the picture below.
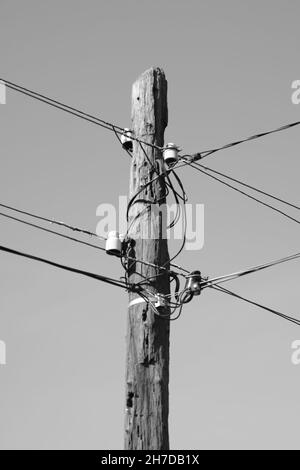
{"points": [[149, 250]]}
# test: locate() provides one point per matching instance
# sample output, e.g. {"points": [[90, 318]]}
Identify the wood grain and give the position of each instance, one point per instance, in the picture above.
{"points": [[147, 365]]}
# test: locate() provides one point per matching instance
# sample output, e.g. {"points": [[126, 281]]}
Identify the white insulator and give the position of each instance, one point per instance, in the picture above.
{"points": [[171, 154], [160, 301], [113, 244], [126, 139]]}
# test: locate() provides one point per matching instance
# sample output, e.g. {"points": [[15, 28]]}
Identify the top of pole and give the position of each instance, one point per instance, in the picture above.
{"points": [[149, 104]]}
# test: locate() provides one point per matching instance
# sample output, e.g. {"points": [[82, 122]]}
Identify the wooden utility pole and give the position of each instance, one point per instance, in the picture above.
{"points": [[147, 374]]}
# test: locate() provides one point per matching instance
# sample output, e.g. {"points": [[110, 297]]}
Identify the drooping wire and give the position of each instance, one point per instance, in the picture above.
{"points": [[168, 182], [154, 168], [135, 200], [244, 193], [173, 306], [98, 277], [147, 281], [177, 196], [275, 312], [126, 259], [184, 298], [141, 189], [184, 200], [206, 153]]}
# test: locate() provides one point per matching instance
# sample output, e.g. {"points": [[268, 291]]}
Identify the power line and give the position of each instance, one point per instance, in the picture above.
{"points": [[73, 228], [53, 232], [20, 88], [98, 277], [294, 206], [244, 194], [180, 268], [52, 221], [275, 312], [61, 107], [152, 265], [120, 130], [260, 267], [206, 153], [73, 111], [182, 210]]}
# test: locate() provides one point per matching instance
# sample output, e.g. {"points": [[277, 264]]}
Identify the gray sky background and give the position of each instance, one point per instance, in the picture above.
{"points": [[230, 65]]}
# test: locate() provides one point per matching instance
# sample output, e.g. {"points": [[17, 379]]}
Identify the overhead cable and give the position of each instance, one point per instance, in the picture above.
{"points": [[53, 232], [275, 209], [271, 310], [253, 269], [206, 153], [276, 198], [53, 221], [73, 111], [98, 277]]}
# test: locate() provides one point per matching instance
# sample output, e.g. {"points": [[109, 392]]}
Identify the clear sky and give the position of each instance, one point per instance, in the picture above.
{"points": [[229, 65]]}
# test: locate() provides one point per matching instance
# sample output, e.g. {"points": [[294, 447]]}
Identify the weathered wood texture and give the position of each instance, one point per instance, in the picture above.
{"points": [[147, 375]]}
